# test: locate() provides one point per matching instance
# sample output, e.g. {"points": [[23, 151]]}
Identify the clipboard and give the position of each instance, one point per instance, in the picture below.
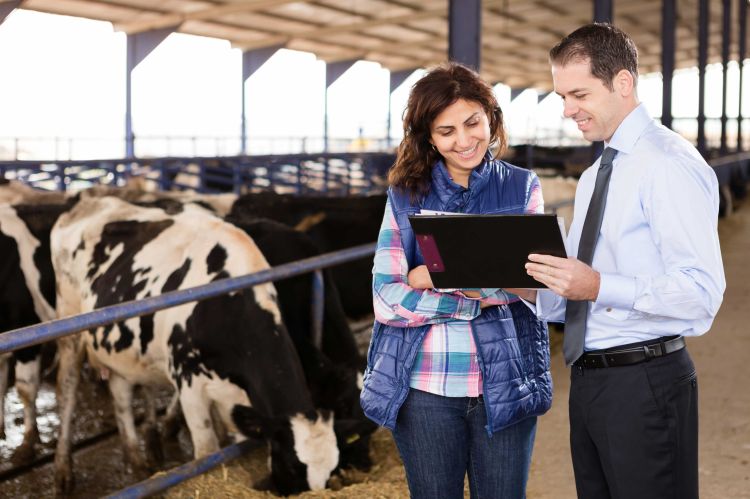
{"points": [[485, 251]]}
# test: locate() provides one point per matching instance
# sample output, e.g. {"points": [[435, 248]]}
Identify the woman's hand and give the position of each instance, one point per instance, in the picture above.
{"points": [[527, 294], [419, 278]]}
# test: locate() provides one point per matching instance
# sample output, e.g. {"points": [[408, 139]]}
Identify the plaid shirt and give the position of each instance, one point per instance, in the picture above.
{"points": [[447, 361]]}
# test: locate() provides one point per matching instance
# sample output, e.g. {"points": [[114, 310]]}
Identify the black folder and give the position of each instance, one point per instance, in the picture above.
{"points": [[485, 251]]}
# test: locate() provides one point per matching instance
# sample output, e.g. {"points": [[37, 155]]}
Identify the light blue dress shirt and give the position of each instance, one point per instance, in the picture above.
{"points": [[658, 252]]}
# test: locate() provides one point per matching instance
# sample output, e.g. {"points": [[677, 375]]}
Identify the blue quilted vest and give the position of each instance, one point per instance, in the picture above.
{"points": [[512, 344]]}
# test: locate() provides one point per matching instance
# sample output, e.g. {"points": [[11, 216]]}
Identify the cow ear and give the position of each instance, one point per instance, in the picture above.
{"points": [[250, 422], [349, 431]]}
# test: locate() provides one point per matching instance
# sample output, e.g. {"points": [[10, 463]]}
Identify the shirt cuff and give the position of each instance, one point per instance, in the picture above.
{"points": [[467, 309], [615, 292], [549, 306]]}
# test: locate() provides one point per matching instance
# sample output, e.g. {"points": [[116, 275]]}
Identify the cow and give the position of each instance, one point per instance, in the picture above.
{"points": [[231, 352], [28, 294], [333, 224], [333, 372], [334, 375]]}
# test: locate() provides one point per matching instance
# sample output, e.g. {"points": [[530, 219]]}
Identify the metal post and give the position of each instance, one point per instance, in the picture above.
{"points": [[7, 7], [138, 47], [396, 79], [603, 11], [725, 40], [334, 71], [668, 21], [318, 305], [703, 13], [465, 32], [741, 61], [252, 60]]}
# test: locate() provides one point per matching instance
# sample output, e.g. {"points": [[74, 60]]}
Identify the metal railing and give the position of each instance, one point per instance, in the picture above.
{"points": [[52, 330]]}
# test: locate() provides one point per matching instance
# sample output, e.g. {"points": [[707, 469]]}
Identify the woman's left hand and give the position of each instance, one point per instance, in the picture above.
{"points": [[419, 278]]}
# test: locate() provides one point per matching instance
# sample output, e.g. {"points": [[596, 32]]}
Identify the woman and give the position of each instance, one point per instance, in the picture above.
{"points": [[458, 376]]}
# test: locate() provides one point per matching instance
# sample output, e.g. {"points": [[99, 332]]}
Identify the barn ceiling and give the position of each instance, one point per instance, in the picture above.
{"points": [[406, 34]]}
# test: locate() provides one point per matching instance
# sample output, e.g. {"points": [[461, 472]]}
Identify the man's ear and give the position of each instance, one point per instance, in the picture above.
{"points": [[624, 83]]}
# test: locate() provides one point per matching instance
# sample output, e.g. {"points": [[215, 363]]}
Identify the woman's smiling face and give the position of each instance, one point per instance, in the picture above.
{"points": [[461, 134]]}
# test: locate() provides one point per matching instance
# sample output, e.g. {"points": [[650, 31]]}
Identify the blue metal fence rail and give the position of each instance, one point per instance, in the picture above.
{"points": [[179, 474], [52, 330]]}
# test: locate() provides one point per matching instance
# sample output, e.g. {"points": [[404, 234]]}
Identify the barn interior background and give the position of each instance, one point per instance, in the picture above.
{"points": [[304, 98]]}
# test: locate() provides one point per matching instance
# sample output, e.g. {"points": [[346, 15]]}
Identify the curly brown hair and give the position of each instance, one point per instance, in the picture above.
{"points": [[435, 91]]}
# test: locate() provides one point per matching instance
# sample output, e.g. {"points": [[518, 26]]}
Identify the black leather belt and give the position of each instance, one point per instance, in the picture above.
{"points": [[627, 355]]}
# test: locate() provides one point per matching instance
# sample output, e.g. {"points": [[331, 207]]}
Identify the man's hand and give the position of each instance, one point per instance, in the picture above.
{"points": [[568, 277], [419, 278]]}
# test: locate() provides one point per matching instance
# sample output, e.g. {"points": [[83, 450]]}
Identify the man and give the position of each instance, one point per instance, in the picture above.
{"points": [[648, 272]]}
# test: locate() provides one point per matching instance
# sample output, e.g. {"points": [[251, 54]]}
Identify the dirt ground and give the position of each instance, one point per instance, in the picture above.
{"points": [[722, 359]]}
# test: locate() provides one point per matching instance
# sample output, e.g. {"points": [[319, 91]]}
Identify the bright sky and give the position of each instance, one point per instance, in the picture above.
{"points": [[70, 83]]}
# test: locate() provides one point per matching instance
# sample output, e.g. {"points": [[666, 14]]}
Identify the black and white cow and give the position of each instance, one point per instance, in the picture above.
{"points": [[27, 295], [229, 352], [333, 372], [334, 224]]}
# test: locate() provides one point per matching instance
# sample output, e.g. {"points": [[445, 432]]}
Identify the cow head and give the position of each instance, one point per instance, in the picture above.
{"points": [[303, 447]]}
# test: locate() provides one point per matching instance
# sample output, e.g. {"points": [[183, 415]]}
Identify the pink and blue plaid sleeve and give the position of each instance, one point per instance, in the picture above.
{"points": [[398, 304], [535, 202]]}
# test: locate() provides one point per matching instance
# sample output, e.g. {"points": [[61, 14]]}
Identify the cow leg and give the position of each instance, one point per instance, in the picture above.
{"points": [[196, 408], [171, 421], [225, 396], [4, 372], [122, 395], [154, 450], [68, 376], [27, 386]]}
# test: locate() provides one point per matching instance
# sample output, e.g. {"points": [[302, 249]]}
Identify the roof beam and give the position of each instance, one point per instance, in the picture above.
{"points": [[317, 33], [210, 13]]}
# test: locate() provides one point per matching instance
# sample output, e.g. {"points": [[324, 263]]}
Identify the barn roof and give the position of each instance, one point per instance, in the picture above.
{"points": [[406, 34]]}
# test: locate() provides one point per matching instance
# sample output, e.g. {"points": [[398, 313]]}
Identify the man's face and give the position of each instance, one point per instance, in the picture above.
{"points": [[596, 109]]}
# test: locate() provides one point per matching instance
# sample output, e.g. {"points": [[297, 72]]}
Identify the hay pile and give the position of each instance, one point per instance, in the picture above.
{"points": [[386, 480]]}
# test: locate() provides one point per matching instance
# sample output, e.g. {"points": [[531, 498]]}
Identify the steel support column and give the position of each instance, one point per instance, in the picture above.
{"points": [[334, 71], [703, 25], [7, 7], [741, 60], [668, 21], [603, 11], [252, 60], [397, 78], [465, 32], [139, 46], [726, 37]]}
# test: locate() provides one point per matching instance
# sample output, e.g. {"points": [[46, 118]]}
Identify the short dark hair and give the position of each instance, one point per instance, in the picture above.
{"points": [[609, 50], [431, 95]]}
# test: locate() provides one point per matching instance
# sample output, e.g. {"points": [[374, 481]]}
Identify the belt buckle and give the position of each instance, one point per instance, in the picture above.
{"points": [[651, 351]]}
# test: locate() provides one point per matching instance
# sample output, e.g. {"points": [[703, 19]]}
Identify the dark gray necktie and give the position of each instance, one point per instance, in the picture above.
{"points": [[576, 312]]}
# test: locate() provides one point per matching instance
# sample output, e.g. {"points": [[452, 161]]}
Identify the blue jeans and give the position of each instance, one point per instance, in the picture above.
{"points": [[441, 439]]}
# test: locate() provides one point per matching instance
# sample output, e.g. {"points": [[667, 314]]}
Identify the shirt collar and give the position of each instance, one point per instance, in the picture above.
{"points": [[630, 130]]}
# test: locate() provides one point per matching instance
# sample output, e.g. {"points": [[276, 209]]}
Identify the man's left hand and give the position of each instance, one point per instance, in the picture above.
{"points": [[567, 277]]}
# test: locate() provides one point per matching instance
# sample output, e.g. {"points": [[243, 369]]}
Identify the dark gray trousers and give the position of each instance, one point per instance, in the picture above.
{"points": [[634, 430]]}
